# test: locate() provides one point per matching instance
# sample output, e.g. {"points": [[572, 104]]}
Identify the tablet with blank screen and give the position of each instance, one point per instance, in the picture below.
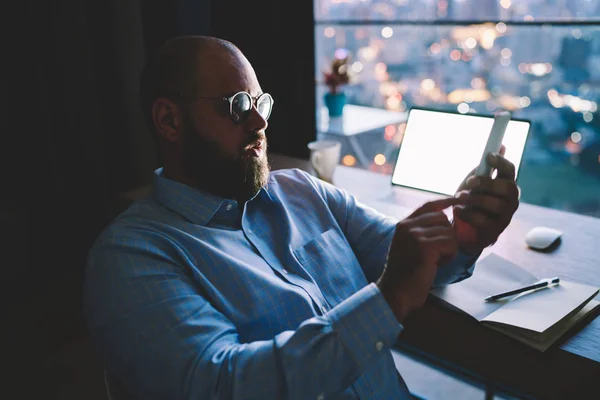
{"points": [[439, 148]]}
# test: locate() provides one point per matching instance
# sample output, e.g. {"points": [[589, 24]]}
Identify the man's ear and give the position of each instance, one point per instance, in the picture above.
{"points": [[168, 119]]}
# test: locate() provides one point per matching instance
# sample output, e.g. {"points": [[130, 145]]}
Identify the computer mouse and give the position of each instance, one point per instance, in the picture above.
{"points": [[542, 237]]}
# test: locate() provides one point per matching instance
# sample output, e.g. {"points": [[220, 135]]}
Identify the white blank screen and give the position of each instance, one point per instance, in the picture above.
{"points": [[439, 148]]}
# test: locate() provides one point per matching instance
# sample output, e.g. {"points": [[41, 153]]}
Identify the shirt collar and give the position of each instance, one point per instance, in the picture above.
{"points": [[197, 206]]}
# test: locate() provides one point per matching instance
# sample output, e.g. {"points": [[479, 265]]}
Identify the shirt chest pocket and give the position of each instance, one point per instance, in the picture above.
{"points": [[330, 261]]}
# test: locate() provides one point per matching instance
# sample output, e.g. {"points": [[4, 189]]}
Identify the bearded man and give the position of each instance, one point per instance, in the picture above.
{"points": [[233, 282]]}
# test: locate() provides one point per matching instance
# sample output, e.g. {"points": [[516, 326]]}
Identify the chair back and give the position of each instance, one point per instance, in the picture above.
{"points": [[115, 390]]}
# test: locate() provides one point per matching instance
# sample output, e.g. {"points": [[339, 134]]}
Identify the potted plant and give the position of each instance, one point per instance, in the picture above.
{"points": [[335, 78]]}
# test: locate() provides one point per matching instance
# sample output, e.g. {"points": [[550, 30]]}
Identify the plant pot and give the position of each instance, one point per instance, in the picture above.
{"points": [[335, 103]]}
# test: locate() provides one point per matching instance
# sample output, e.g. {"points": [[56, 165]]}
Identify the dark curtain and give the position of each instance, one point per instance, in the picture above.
{"points": [[77, 139]]}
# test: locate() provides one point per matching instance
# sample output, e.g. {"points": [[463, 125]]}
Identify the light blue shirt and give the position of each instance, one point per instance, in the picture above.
{"points": [[193, 296]]}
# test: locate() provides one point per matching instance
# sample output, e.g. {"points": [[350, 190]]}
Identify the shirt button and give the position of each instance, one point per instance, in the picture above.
{"points": [[285, 271], [321, 396], [324, 309], [228, 206], [379, 345]]}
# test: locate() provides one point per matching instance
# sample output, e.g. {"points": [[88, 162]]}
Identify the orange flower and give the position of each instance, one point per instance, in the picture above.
{"points": [[338, 75]]}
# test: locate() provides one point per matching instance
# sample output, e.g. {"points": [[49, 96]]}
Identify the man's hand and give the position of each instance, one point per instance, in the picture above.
{"points": [[490, 205], [421, 242]]}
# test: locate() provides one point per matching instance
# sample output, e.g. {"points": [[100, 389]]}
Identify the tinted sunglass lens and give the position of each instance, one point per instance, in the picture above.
{"points": [[241, 104], [265, 103]]}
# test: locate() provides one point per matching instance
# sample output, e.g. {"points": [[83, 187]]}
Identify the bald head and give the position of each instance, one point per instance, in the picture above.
{"points": [[186, 91], [183, 66]]}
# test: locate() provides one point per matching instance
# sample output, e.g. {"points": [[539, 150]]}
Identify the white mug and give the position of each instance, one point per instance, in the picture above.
{"points": [[324, 156]]}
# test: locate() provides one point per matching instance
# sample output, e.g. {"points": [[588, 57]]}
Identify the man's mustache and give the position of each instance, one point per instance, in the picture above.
{"points": [[255, 140]]}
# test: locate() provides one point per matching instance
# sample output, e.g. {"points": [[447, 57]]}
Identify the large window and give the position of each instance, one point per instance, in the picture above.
{"points": [[540, 59]]}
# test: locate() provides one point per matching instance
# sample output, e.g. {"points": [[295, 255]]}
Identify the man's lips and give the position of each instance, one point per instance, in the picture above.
{"points": [[255, 149]]}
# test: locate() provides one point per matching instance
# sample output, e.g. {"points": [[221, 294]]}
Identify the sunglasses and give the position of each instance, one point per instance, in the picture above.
{"points": [[240, 105]]}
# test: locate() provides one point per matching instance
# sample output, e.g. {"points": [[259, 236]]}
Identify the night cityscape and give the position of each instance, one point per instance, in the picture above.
{"points": [[539, 59]]}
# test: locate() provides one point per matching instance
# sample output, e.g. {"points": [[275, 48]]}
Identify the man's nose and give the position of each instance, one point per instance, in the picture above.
{"points": [[257, 122]]}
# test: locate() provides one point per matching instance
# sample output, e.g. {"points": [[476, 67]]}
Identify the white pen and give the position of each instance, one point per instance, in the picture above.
{"points": [[538, 285]]}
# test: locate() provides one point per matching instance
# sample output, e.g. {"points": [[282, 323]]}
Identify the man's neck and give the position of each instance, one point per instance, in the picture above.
{"points": [[213, 186]]}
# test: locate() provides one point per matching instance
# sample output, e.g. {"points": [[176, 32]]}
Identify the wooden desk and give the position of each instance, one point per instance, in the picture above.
{"points": [[571, 370]]}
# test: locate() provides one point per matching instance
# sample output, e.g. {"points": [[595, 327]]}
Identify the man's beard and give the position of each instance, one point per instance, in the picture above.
{"points": [[239, 177]]}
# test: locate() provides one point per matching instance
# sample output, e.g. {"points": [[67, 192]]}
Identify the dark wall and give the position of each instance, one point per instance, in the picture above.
{"points": [[76, 140]]}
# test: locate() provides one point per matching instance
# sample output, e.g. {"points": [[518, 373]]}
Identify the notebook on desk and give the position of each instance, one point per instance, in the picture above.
{"points": [[537, 318], [440, 148]]}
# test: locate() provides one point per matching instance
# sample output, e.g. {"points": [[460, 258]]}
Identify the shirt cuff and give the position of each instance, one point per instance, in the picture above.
{"points": [[461, 267], [366, 325]]}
